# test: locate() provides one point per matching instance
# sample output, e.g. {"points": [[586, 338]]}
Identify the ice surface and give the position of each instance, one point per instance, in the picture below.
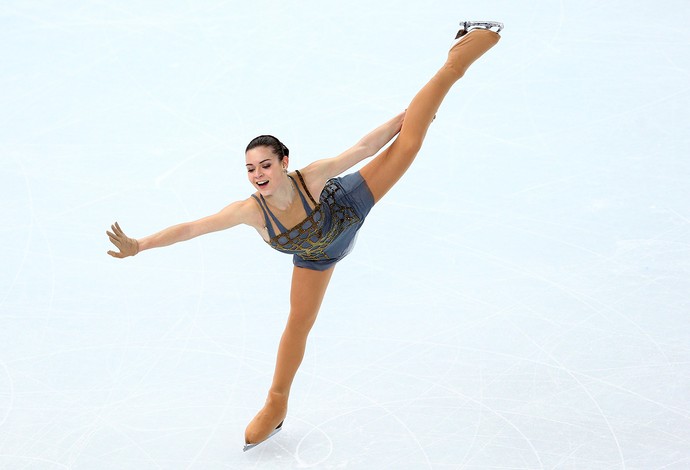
{"points": [[519, 300]]}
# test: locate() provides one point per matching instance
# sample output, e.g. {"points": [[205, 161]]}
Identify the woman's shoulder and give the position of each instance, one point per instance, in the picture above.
{"points": [[251, 211], [310, 180]]}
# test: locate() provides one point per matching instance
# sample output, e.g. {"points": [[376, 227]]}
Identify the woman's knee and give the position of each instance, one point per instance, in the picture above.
{"points": [[300, 321], [407, 148]]}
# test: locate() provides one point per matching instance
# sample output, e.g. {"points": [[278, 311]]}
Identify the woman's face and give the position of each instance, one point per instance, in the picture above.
{"points": [[264, 169]]}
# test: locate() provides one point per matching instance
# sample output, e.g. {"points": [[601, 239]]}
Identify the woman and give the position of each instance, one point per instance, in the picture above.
{"points": [[323, 232]]}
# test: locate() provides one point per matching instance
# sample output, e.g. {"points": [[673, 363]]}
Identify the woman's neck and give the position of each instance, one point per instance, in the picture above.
{"points": [[283, 197]]}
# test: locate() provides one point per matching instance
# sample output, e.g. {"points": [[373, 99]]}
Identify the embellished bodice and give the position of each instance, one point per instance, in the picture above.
{"points": [[311, 238]]}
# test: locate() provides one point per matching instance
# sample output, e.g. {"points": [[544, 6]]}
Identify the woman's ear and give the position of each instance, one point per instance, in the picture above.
{"points": [[285, 162]]}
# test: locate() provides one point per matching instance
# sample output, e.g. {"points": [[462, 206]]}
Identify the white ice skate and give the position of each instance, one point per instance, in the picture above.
{"points": [[467, 26], [251, 446]]}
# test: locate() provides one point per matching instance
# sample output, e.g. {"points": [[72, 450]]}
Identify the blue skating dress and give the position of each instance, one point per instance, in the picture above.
{"points": [[329, 231]]}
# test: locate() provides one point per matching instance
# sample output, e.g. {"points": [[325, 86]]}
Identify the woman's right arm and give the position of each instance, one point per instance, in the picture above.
{"points": [[240, 212]]}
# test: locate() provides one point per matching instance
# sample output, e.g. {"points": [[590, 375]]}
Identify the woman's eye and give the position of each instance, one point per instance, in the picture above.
{"points": [[266, 167], [250, 170]]}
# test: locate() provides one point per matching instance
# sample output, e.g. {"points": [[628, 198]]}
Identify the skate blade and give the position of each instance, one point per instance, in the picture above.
{"points": [[275, 431], [469, 26], [495, 26]]}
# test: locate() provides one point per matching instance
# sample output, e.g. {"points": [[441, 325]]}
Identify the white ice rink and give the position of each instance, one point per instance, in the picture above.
{"points": [[521, 300]]}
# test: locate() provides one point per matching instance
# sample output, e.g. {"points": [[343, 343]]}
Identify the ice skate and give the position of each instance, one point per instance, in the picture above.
{"points": [[262, 425], [472, 41], [248, 446], [467, 26]]}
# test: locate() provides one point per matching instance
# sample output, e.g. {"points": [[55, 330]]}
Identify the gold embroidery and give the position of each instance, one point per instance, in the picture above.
{"points": [[307, 239]]}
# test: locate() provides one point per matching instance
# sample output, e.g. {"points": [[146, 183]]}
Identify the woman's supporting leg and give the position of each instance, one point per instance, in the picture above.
{"points": [[387, 168], [306, 294]]}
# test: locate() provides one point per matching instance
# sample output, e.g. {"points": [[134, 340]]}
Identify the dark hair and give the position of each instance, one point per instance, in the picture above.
{"points": [[269, 141]]}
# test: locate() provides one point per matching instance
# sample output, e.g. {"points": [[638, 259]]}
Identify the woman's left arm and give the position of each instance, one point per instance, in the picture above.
{"points": [[369, 145]]}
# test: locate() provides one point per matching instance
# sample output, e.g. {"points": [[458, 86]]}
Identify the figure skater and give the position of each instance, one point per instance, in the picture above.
{"points": [[319, 233]]}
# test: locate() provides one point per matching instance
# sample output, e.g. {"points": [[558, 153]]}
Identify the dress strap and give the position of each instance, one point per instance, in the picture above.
{"points": [[269, 225], [305, 204], [301, 180], [280, 226]]}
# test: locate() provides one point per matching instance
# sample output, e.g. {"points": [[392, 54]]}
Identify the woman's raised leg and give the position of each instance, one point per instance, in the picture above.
{"points": [[387, 168], [306, 294]]}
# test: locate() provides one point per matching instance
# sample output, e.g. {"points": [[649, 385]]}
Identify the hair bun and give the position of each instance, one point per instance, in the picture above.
{"points": [[276, 146]]}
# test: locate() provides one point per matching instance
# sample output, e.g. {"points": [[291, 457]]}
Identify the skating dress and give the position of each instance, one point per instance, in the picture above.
{"points": [[329, 231]]}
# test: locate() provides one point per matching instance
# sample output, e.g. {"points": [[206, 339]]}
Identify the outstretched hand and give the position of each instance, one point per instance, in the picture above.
{"points": [[127, 246]]}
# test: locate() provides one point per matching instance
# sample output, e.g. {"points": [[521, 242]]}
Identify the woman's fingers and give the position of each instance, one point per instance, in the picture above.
{"points": [[126, 246], [117, 241], [116, 228], [114, 239]]}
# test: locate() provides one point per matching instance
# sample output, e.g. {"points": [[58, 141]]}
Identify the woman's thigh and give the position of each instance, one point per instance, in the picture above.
{"points": [[387, 168], [306, 294]]}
